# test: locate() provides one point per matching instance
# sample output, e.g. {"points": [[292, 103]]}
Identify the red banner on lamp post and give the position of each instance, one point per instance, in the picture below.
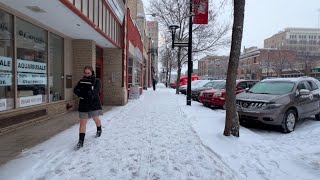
{"points": [[201, 11]]}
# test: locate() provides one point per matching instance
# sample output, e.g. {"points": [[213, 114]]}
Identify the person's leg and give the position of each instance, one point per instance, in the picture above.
{"points": [[82, 131], [98, 124]]}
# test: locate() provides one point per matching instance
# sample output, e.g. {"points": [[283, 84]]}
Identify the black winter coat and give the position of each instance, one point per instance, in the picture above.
{"points": [[88, 89]]}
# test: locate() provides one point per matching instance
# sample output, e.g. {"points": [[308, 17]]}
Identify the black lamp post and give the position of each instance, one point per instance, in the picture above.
{"points": [[173, 29]]}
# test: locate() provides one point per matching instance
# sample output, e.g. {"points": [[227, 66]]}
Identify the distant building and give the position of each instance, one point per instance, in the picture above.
{"points": [[214, 67], [302, 40], [258, 63], [153, 33]]}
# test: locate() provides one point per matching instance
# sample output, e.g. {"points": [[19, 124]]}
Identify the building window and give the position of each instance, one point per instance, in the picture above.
{"points": [[130, 75], [137, 73], [85, 7], [91, 8], [6, 62], [31, 44], [56, 79], [96, 12], [254, 59]]}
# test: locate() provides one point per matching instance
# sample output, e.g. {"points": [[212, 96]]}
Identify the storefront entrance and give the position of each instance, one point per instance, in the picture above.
{"points": [[99, 69]]}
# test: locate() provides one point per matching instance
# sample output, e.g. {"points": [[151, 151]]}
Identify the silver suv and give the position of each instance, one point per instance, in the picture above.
{"points": [[280, 101]]}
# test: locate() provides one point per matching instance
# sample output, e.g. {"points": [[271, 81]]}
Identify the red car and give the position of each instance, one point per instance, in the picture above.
{"points": [[216, 97]]}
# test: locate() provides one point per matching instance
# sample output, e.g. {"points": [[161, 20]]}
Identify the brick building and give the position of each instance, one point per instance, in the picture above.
{"points": [[258, 63], [214, 67]]}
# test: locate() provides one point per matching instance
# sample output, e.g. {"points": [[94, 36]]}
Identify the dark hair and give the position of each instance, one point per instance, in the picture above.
{"points": [[90, 68]]}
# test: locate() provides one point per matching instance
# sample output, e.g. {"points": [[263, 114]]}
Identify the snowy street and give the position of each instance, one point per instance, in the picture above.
{"points": [[159, 137]]}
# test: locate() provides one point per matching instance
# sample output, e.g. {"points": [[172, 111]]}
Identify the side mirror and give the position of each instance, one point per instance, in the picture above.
{"points": [[247, 89], [304, 92]]}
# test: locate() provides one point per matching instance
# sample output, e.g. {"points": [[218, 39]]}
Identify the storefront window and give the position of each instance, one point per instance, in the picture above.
{"points": [[6, 63], [130, 67], [56, 79], [31, 44], [137, 73]]}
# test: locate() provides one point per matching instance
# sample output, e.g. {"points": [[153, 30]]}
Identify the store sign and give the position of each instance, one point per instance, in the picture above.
{"points": [[5, 79], [134, 92], [201, 11], [28, 35], [30, 66], [30, 100], [31, 79], [5, 63], [3, 104]]}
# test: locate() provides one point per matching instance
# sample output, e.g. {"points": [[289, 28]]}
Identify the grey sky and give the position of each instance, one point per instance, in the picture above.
{"points": [[263, 18]]}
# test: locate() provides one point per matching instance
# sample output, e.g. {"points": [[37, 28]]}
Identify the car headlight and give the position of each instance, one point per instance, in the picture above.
{"points": [[272, 106], [218, 94]]}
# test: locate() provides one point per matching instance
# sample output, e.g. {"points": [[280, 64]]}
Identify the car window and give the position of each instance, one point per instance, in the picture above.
{"points": [[313, 85], [251, 83], [303, 85], [272, 87], [219, 85], [210, 84], [242, 85]]}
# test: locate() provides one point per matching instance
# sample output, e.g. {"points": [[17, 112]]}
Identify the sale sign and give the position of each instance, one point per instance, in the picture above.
{"points": [[30, 100], [201, 11]]}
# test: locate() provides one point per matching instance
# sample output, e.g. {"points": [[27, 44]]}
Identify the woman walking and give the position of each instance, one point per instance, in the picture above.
{"points": [[88, 90]]}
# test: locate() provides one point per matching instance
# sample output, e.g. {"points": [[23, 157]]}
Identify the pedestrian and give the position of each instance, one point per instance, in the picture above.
{"points": [[88, 90], [154, 82]]}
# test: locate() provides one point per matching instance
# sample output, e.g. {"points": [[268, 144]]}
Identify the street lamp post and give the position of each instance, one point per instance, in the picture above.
{"points": [[173, 29]]}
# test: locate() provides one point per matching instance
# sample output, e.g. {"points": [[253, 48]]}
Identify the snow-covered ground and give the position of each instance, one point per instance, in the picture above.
{"points": [[159, 137]]}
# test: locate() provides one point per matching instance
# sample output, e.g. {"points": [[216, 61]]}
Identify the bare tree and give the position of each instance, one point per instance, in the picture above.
{"points": [[232, 120], [206, 38]]}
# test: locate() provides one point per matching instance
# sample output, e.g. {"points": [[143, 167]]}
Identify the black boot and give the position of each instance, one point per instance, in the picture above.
{"points": [[79, 145], [99, 131], [81, 139]]}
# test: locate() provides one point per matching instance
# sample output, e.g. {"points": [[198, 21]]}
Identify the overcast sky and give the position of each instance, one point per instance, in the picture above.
{"points": [[263, 18]]}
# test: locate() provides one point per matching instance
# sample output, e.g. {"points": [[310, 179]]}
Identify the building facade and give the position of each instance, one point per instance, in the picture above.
{"points": [[302, 40], [259, 63], [213, 67], [43, 54], [153, 32]]}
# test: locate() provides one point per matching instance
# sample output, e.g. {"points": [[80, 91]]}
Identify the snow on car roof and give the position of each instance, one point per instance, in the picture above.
{"points": [[291, 79]]}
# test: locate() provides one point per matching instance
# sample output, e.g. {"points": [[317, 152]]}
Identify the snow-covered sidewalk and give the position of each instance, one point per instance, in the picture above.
{"points": [[159, 137], [149, 138]]}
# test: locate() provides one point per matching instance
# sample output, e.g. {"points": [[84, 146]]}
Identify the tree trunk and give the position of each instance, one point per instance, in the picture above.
{"points": [[179, 70], [232, 120]]}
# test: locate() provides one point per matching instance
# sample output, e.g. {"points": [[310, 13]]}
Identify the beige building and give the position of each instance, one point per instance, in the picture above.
{"points": [[153, 32], [302, 40]]}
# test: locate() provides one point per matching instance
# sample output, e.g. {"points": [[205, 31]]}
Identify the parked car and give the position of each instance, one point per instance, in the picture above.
{"points": [[210, 85], [183, 81], [216, 97], [194, 84], [280, 101]]}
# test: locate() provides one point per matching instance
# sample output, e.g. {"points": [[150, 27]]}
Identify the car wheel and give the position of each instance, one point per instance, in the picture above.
{"points": [[318, 117], [289, 121]]}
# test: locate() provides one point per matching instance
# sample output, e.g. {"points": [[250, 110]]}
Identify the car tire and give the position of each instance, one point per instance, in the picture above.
{"points": [[289, 121], [318, 117]]}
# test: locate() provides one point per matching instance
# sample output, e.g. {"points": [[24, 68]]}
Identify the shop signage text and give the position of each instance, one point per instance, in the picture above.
{"points": [[30, 66], [3, 104], [5, 63], [31, 36], [30, 100], [31, 79], [5, 79]]}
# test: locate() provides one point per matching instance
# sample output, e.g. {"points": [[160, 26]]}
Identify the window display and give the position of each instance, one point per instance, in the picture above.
{"points": [[31, 44], [6, 63]]}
